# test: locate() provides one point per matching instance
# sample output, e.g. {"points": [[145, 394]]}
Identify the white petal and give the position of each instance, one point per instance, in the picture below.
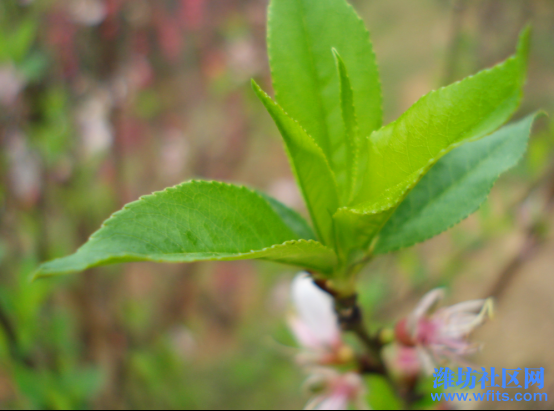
{"points": [[473, 306], [463, 318], [315, 309]]}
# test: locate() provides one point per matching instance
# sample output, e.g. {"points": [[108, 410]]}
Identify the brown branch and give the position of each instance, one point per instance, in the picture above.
{"points": [[534, 239]]}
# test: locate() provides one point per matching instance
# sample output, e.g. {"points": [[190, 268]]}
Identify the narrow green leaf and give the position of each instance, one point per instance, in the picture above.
{"points": [[401, 153], [455, 187], [351, 131], [310, 167], [404, 150], [301, 34], [196, 221]]}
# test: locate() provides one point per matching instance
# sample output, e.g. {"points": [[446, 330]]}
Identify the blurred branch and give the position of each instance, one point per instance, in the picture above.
{"points": [[351, 320], [9, 330], [534, 239], [454, 42], [11, 336]]}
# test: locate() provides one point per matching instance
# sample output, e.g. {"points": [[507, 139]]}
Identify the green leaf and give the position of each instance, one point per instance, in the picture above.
{"points": [[290, 217], [381, 394], [351, 130], [301, 35], [455, 187], [404, 150], [310, 167], [196, 221], [18, 41], [401, 153]]}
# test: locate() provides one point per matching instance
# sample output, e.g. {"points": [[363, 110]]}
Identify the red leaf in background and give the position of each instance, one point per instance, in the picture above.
{"points": [[191, 14], [111, 25], [141, 74], [130, 131], [170, 35], [113, 7], [140, 43], [59, 36]]}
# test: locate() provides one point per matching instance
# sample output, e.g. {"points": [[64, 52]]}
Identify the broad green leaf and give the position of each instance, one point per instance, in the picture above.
{"points": [[301, 35], [291, 218], [402, 152], [196, 221], [455, 187], [351, 131], [311, 169]]}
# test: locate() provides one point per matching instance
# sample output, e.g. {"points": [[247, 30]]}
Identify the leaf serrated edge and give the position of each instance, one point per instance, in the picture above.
{"points": [[374, 60], [351, 140], [176, 187], [315, 73], [367, 38], [521, 51], [318, 149], [235, 256], [428, 237]]}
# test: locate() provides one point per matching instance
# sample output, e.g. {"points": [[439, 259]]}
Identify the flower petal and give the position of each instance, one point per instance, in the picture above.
{"points": [[426, 304], [315, 309]]}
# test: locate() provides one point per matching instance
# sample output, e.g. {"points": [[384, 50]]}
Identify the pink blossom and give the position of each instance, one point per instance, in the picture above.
{"points": [[93, 121], [11, 84], [442, 335], [315, 324], [402, 360], [337, 391], [24, 166], [87, 12]]}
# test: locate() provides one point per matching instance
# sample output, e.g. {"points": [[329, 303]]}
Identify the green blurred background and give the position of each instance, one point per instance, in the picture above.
{"points": [[102, 101]]}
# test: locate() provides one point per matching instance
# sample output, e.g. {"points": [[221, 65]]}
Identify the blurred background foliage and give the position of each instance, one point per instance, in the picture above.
{"points": [[102, 101]]}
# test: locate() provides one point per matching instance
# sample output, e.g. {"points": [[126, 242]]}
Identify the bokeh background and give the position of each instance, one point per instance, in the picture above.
{"points": [[102, 101]]}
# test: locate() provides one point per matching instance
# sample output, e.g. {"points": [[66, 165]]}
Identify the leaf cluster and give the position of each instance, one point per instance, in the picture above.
{"points": [[369, 189]]}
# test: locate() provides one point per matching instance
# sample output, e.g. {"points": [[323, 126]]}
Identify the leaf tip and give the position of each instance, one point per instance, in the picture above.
{"points": [[37, 275], [524, 42], [262, 95]]}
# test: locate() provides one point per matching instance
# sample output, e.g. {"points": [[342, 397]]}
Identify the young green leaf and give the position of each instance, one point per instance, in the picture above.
{"points": [[196, 221], [351, 131], [310, 167], [455, 187], [301, 34], [402, 152]]}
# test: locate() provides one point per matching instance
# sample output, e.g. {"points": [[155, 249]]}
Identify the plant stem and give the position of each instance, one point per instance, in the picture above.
{"points": [[351, 320]]}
